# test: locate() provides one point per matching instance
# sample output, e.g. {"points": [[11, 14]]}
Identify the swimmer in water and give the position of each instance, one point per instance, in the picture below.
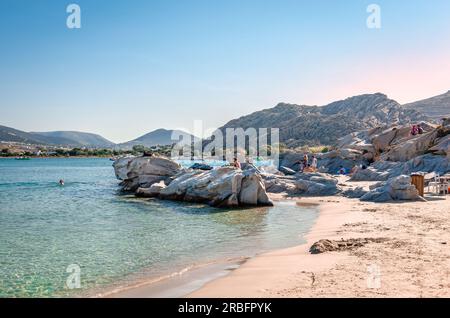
{"points": [[61, 182]]}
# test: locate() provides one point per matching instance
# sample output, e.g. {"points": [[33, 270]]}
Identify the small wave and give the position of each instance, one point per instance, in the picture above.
{"points": [[236, 260]]}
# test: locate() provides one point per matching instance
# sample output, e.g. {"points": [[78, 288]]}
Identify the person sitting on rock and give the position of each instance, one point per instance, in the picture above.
{"points": [[414, 130], [236, 163], [419, 130], [354, 170], [342, 170], [301, 166]]}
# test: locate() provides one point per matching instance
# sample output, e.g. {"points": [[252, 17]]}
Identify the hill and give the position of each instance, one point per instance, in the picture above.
{"points": [[9, 134], [76, 139], [324, 125], [159, 137], [436, 107]]}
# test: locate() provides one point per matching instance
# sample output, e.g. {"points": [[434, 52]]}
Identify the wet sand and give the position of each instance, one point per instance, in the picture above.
{"points": [[413, 260]]}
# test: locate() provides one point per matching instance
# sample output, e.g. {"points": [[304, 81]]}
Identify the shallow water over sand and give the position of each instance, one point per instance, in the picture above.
{"points": [[44, 228]]}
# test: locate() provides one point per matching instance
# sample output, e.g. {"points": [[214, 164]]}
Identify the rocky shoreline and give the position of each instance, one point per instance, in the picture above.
{"points": [[165, 179], [385, 154]]}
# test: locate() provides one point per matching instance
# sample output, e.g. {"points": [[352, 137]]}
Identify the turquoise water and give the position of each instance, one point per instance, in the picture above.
{"points": [[115, 239]]}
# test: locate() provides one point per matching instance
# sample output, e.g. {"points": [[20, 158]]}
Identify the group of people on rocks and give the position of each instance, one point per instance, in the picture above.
{"points": [[416, 130], [307, 165]]}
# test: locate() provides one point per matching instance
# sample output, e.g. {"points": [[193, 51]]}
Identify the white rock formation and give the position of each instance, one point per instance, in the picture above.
{"points": [[397, 188], [222, 187], [152, 192], [144, 171]]}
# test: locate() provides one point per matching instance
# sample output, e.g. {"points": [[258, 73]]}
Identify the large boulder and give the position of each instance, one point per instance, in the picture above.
{"points": [[280, 184], [153, 191], [252, 190], [143, 172], [442, 146], [317, 184], [121, 167], [411, 148], [384, 170], [143, 181], [156, 166], [287, 171], [332, 164], [359, 140], [290, 159], [221, 187], [354, 193], [383, 140], [314, 184], [395, 189]]}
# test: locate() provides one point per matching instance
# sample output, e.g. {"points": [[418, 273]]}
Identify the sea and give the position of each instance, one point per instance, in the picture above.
{"points": [[87, 236]]}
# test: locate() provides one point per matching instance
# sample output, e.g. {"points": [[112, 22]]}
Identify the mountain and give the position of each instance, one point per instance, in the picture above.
{"points": [[9, 134], [75, 138], [14, 135], [160, 137], [56, 138], [314, 125], [437, 107]]}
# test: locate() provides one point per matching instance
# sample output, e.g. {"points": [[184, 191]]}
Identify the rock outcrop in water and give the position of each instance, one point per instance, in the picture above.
{"points": [[221, 187], [165, 179], [142, 172]]}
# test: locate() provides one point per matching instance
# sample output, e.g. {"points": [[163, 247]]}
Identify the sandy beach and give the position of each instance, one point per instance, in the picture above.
{"points": [[413, 261], [412, 258]]}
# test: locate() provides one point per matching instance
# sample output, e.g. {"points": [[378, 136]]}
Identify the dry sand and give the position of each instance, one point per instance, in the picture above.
{"points": [[414, 261]]}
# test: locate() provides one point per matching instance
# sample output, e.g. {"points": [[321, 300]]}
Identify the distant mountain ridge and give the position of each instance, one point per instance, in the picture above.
{"points": [[159, 137], [436, 107], [314, 125], [299, 124], [14, 135], [76, 138], [56, 138]]}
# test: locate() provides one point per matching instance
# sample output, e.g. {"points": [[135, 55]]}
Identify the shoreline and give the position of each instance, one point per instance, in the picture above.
{"points": [[194, 278], [413, 259], [414, 236], [182, 283], [173, 285], [276, 266]]}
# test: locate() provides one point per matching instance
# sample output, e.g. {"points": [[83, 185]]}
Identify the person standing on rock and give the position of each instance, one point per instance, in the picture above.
{"points": [[314, 162], [305, 160]]}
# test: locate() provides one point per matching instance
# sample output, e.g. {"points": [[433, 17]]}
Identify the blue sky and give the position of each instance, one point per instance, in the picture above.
{"points": [[135, 66]]}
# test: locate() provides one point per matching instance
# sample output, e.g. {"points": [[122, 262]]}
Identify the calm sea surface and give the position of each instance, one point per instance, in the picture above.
{"points": [[45, 228]]}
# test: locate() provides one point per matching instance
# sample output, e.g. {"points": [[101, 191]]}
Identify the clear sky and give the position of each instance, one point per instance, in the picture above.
{"points": [[139, 65]]}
